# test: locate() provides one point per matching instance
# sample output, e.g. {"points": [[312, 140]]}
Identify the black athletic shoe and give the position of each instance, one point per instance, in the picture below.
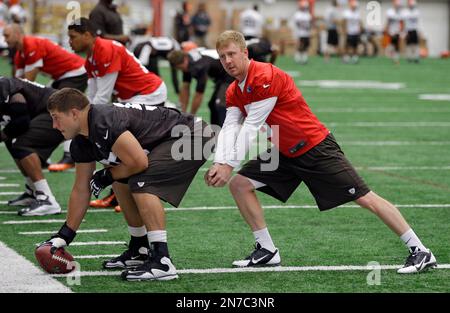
{"points": [[260, 257], [128, 259], [25, 199], [418, 261], [155, 268], [42, 205]]}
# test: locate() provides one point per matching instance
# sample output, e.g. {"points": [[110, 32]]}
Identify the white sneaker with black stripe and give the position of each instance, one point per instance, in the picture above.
{"points": [[418, 261], [260, 257], [43, 205]]}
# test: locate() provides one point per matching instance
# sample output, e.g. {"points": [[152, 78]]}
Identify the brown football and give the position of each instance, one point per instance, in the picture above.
{"points": [[60, 262]]}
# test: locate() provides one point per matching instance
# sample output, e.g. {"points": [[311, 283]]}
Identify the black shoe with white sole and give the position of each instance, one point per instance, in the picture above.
{"points": [[42, 205], [130, 258], [25, 199], [155, 268], [260, 257], [418, 261]]}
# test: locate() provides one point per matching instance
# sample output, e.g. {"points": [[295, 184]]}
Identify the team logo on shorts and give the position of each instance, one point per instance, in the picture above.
{"points": [[141, 184], [352, 191]]}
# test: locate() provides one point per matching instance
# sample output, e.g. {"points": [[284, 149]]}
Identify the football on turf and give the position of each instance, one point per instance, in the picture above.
{"points": [[57, 263]]}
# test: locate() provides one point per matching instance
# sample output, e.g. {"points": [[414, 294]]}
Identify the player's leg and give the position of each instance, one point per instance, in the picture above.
{"points": [[138, 248], [27, 197], [420, 257]]}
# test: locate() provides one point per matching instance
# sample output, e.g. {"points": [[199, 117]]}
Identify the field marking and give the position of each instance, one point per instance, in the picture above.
{"points": [[98, 256], [353, 84], [50, 232], [388, 124], [9, 185], [33, 222], [435, 97], [97, 243], [378, 110], [2, 178], [394, 143], [260, 269], [20, 276], [10, 193], [212, 208]]}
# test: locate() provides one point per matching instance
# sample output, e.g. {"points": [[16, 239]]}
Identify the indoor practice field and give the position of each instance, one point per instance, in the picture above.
{"points": [[389, 127]]}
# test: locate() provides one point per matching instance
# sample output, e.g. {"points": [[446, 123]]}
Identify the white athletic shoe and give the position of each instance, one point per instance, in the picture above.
{"points": [[155, 268]]}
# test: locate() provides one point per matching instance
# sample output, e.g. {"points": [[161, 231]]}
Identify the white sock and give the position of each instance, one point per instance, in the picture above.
{"points": [[411, 240], [137, 231], [42, 185], [157, 236], [67, 146], [30, 184], [262, 237]]}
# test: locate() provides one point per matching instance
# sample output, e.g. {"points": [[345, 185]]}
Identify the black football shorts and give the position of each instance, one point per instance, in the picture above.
{"points": [[324, 169]]}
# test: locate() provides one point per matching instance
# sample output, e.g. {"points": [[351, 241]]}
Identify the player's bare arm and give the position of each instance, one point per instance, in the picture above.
{"points": [[81, 194], [133, 158]]}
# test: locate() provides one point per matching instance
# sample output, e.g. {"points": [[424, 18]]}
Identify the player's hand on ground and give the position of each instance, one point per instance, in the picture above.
{"points": [[100, 180]]}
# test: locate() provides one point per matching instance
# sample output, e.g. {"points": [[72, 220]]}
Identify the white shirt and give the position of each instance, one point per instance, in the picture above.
{"points": [[332, 15], [394, 18], [251, 22], [302, 24], [239, 133], [411, 18], [353, 22]]}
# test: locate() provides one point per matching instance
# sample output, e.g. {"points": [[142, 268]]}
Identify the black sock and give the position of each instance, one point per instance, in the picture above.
{"points": [[138, 242], [160, 249]]}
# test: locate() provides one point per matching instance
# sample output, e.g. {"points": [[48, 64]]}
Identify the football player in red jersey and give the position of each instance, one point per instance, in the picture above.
{"points": [[36, 54], [113, 70], [306, 151]]}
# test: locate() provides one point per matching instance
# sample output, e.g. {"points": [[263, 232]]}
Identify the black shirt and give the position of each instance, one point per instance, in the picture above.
{"points": [[150, 125], [15, 117], [204, 63], [106, 19]]}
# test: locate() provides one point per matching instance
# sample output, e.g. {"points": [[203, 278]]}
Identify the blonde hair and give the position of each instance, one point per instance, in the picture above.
{"points": [[231, 36]]}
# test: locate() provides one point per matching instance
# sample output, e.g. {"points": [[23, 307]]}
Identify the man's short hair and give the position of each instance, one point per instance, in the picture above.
{"points": [[82, 25], [66, 99], [176, 57], [231, 36]]}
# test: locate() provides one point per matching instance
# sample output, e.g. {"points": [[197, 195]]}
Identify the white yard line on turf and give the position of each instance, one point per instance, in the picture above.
{"points": [[2, 178], [81, 231], [379, 110], [21, 276], [353, 84], [206, 208], [33, 222], [10, 193], [99, 256], [9, 185], [97, 243], [435, 97], [388, 124], [262, 269]]}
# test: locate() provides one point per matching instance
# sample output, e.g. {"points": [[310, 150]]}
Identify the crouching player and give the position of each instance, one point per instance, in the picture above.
{"points": [[142, 146]]}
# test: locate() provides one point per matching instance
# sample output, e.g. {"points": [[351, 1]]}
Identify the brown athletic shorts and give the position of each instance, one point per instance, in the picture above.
{"points": [[167, 177], [330, 177]]}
